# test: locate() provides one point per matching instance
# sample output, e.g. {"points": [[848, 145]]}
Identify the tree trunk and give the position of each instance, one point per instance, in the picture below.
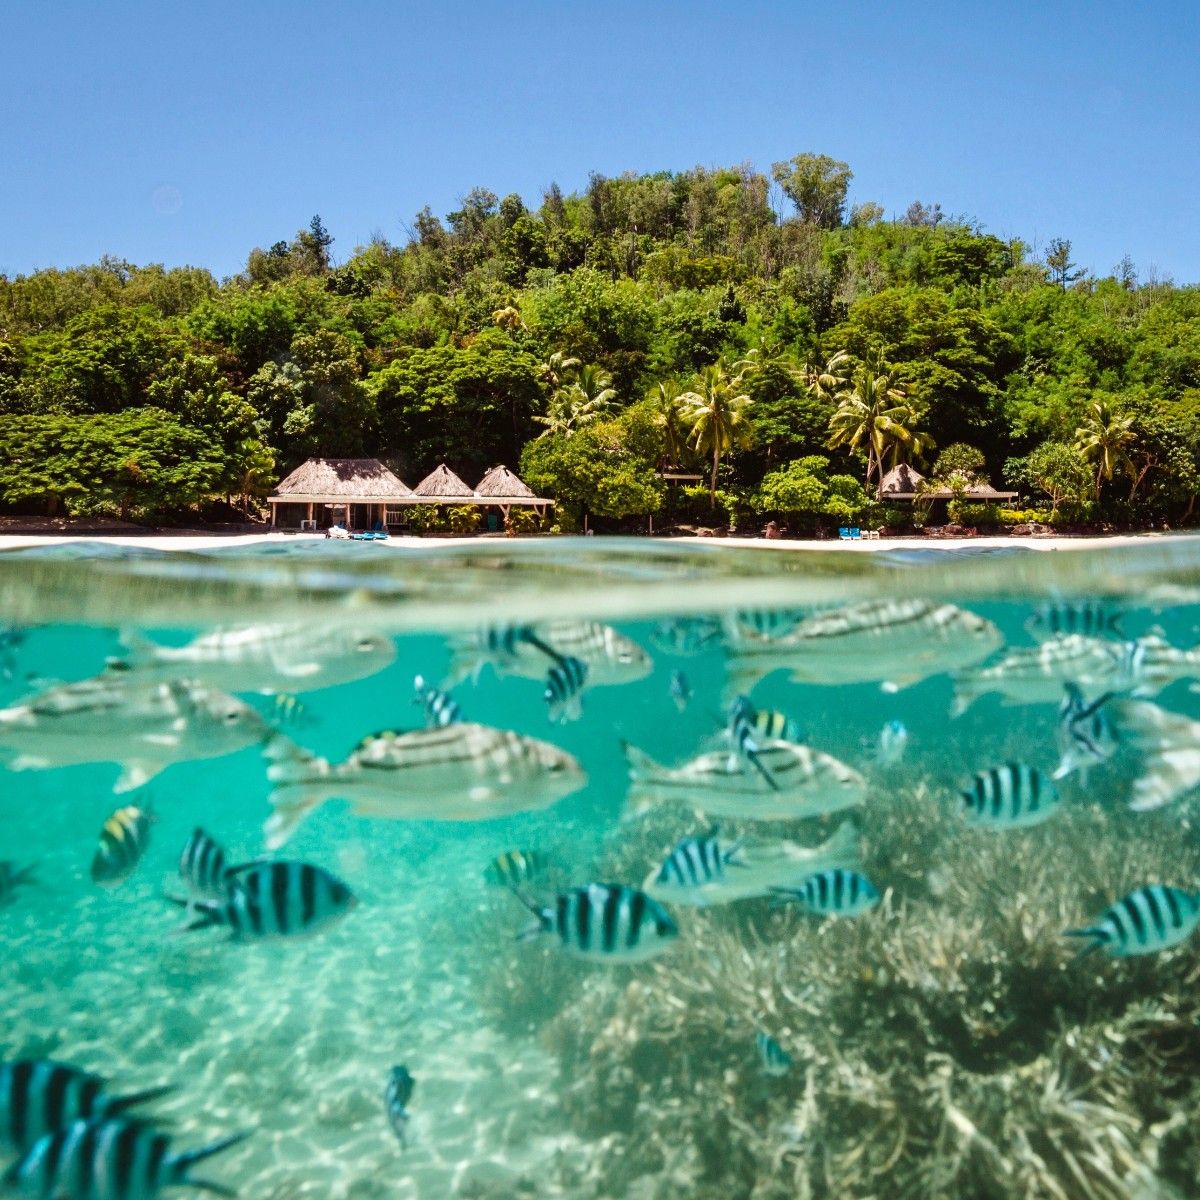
{"points": [[712, 491]]}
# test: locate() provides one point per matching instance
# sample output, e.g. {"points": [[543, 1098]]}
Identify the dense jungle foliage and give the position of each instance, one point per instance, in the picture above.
{"points": [[671, 319]]}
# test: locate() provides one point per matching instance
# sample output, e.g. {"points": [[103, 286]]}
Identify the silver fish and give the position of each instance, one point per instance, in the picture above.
{"points": [[39, 1096], [835, 893], [807, 783], [396, 1096], [115, 1159], [1038, 674], [748, 869], [464, 772], [1168, 747], [611, 657], [604, 922], [893, 642], [1148, 920], [1092, 618], [115, 718], [1011, 796], [1085, 735], [264, 658]]}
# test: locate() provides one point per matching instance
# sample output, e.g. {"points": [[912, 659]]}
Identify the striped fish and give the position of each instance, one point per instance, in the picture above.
{"points": [[565, 682], [765, 622], [804, 783], [440, 709], [464, 772], [685, 637], [396, 1096], [604, 922], [680, 690], [835, 893], [1150, 919], [893, 642], [772, 1058], [743, 732], [11, 878], [1085, 735], [109, 1160], [39, 1096], [1091, 618], [1167, 745], [515, 868], [1009, 797], [695, 861], [123, 841], [202, 865], [272, 899], [527, 651], [286, 708]]}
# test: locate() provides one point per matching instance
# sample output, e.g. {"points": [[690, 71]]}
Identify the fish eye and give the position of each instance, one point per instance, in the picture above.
{"points": [[231, 716], [366, 644]]}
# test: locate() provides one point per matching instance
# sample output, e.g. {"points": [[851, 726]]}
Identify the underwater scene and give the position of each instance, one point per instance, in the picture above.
{"points": [[599, 870]]}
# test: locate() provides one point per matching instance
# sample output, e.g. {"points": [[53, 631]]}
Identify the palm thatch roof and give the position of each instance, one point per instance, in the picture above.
{"points": [[442, 484], [904, 483], [502, 484], [349, 479]]}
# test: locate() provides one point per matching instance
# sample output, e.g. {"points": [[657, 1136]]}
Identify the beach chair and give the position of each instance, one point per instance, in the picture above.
{"points": [[855, 535], [844, 534]]}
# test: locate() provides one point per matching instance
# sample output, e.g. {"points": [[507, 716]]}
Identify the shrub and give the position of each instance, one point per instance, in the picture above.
{"points": [[1024, 516], [465, 519], [522, 520], [976, 516], [425, 518]]}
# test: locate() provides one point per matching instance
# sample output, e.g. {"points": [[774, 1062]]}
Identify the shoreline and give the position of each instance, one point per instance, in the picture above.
{"points": [[200, 541]]}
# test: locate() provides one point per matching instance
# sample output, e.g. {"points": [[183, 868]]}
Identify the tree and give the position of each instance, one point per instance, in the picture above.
{"points": [[719, 419], [1104, 437], [875, 414], [666, 401], [817, 185], [1055, 468], [1058, 260], [584, 400]]}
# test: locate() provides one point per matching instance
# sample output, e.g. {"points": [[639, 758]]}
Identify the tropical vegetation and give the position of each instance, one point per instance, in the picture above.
{"points": [[606, 340]]}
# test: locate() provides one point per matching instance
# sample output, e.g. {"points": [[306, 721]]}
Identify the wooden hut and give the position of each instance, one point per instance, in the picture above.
{"points": [[904, 483], [442, 486], [502, 488], [359, 492]]}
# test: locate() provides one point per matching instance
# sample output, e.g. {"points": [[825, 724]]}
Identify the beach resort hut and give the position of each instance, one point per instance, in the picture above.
{"points": [[358, 492], [442, 486], [904, 483], [504, 489]]}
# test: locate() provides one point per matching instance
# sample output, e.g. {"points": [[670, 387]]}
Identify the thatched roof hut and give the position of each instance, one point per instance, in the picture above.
{"points": [[904, 483], [441, 485], [502, 484], [339, 484]]}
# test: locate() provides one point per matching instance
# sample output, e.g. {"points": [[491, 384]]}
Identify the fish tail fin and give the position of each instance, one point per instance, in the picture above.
{"points": [[299, 780], [963, 699], [138, 649], [26, 874], [134, 775], [538, 925], [181, 1165], [783, 896], [1096, 939], [642, 768], [199, 914], [120, 1104]]}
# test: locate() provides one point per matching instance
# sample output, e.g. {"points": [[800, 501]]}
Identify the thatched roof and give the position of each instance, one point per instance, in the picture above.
{"points": [[501, 484], [904, 483], [441, 483], [363, 479]]}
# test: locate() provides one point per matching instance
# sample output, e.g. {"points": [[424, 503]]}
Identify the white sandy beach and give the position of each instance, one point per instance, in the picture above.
{"points": [[222, 541]]}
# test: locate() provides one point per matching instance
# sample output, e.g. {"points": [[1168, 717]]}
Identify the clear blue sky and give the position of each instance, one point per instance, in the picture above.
{"points": [[189, 133]]}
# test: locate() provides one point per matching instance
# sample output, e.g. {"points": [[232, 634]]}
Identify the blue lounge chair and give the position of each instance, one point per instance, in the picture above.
{"points": [[844, 534], [855, 535]]}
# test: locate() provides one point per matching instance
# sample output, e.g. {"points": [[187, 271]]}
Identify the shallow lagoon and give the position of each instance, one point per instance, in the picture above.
{"points": [[945, 1044]]}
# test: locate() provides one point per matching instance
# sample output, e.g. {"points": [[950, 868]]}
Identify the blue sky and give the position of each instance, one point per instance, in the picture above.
{"points": [[189, 133]]}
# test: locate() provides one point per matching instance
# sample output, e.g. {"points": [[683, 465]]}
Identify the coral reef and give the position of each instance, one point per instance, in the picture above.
{"points": [[947, 1044]]}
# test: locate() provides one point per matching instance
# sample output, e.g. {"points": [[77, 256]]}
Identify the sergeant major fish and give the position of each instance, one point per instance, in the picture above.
{"points": [[565, 681], [685, 637], [516, 868], [464, 772], [113, 1159], [808, 783], [123, 841], [1085, 736], [894, 642], [1148, 920], [1009, 797], [272, 899], [700, 872], [13, 877], [39, 1096], [1091, 618], [604, 922], [264, 658], [835, 893], [772, 1058], [202, 865], [440, 708], [396, 1096], [611, 657], [114, 718]]}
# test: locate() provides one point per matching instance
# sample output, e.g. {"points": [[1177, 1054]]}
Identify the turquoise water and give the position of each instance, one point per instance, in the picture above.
{"points": [[945, 1043]]}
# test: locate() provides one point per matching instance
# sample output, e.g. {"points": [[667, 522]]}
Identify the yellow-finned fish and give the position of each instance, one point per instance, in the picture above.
{"points": [[516, 868], [459, 772], [123, 841]]}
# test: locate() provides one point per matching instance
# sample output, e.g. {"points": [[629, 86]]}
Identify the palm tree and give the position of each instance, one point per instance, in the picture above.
{"points": [[718, 417], [669, 411], [874, 413], [1104, 437], [559, 369], [579, 403], [828, 382]]}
